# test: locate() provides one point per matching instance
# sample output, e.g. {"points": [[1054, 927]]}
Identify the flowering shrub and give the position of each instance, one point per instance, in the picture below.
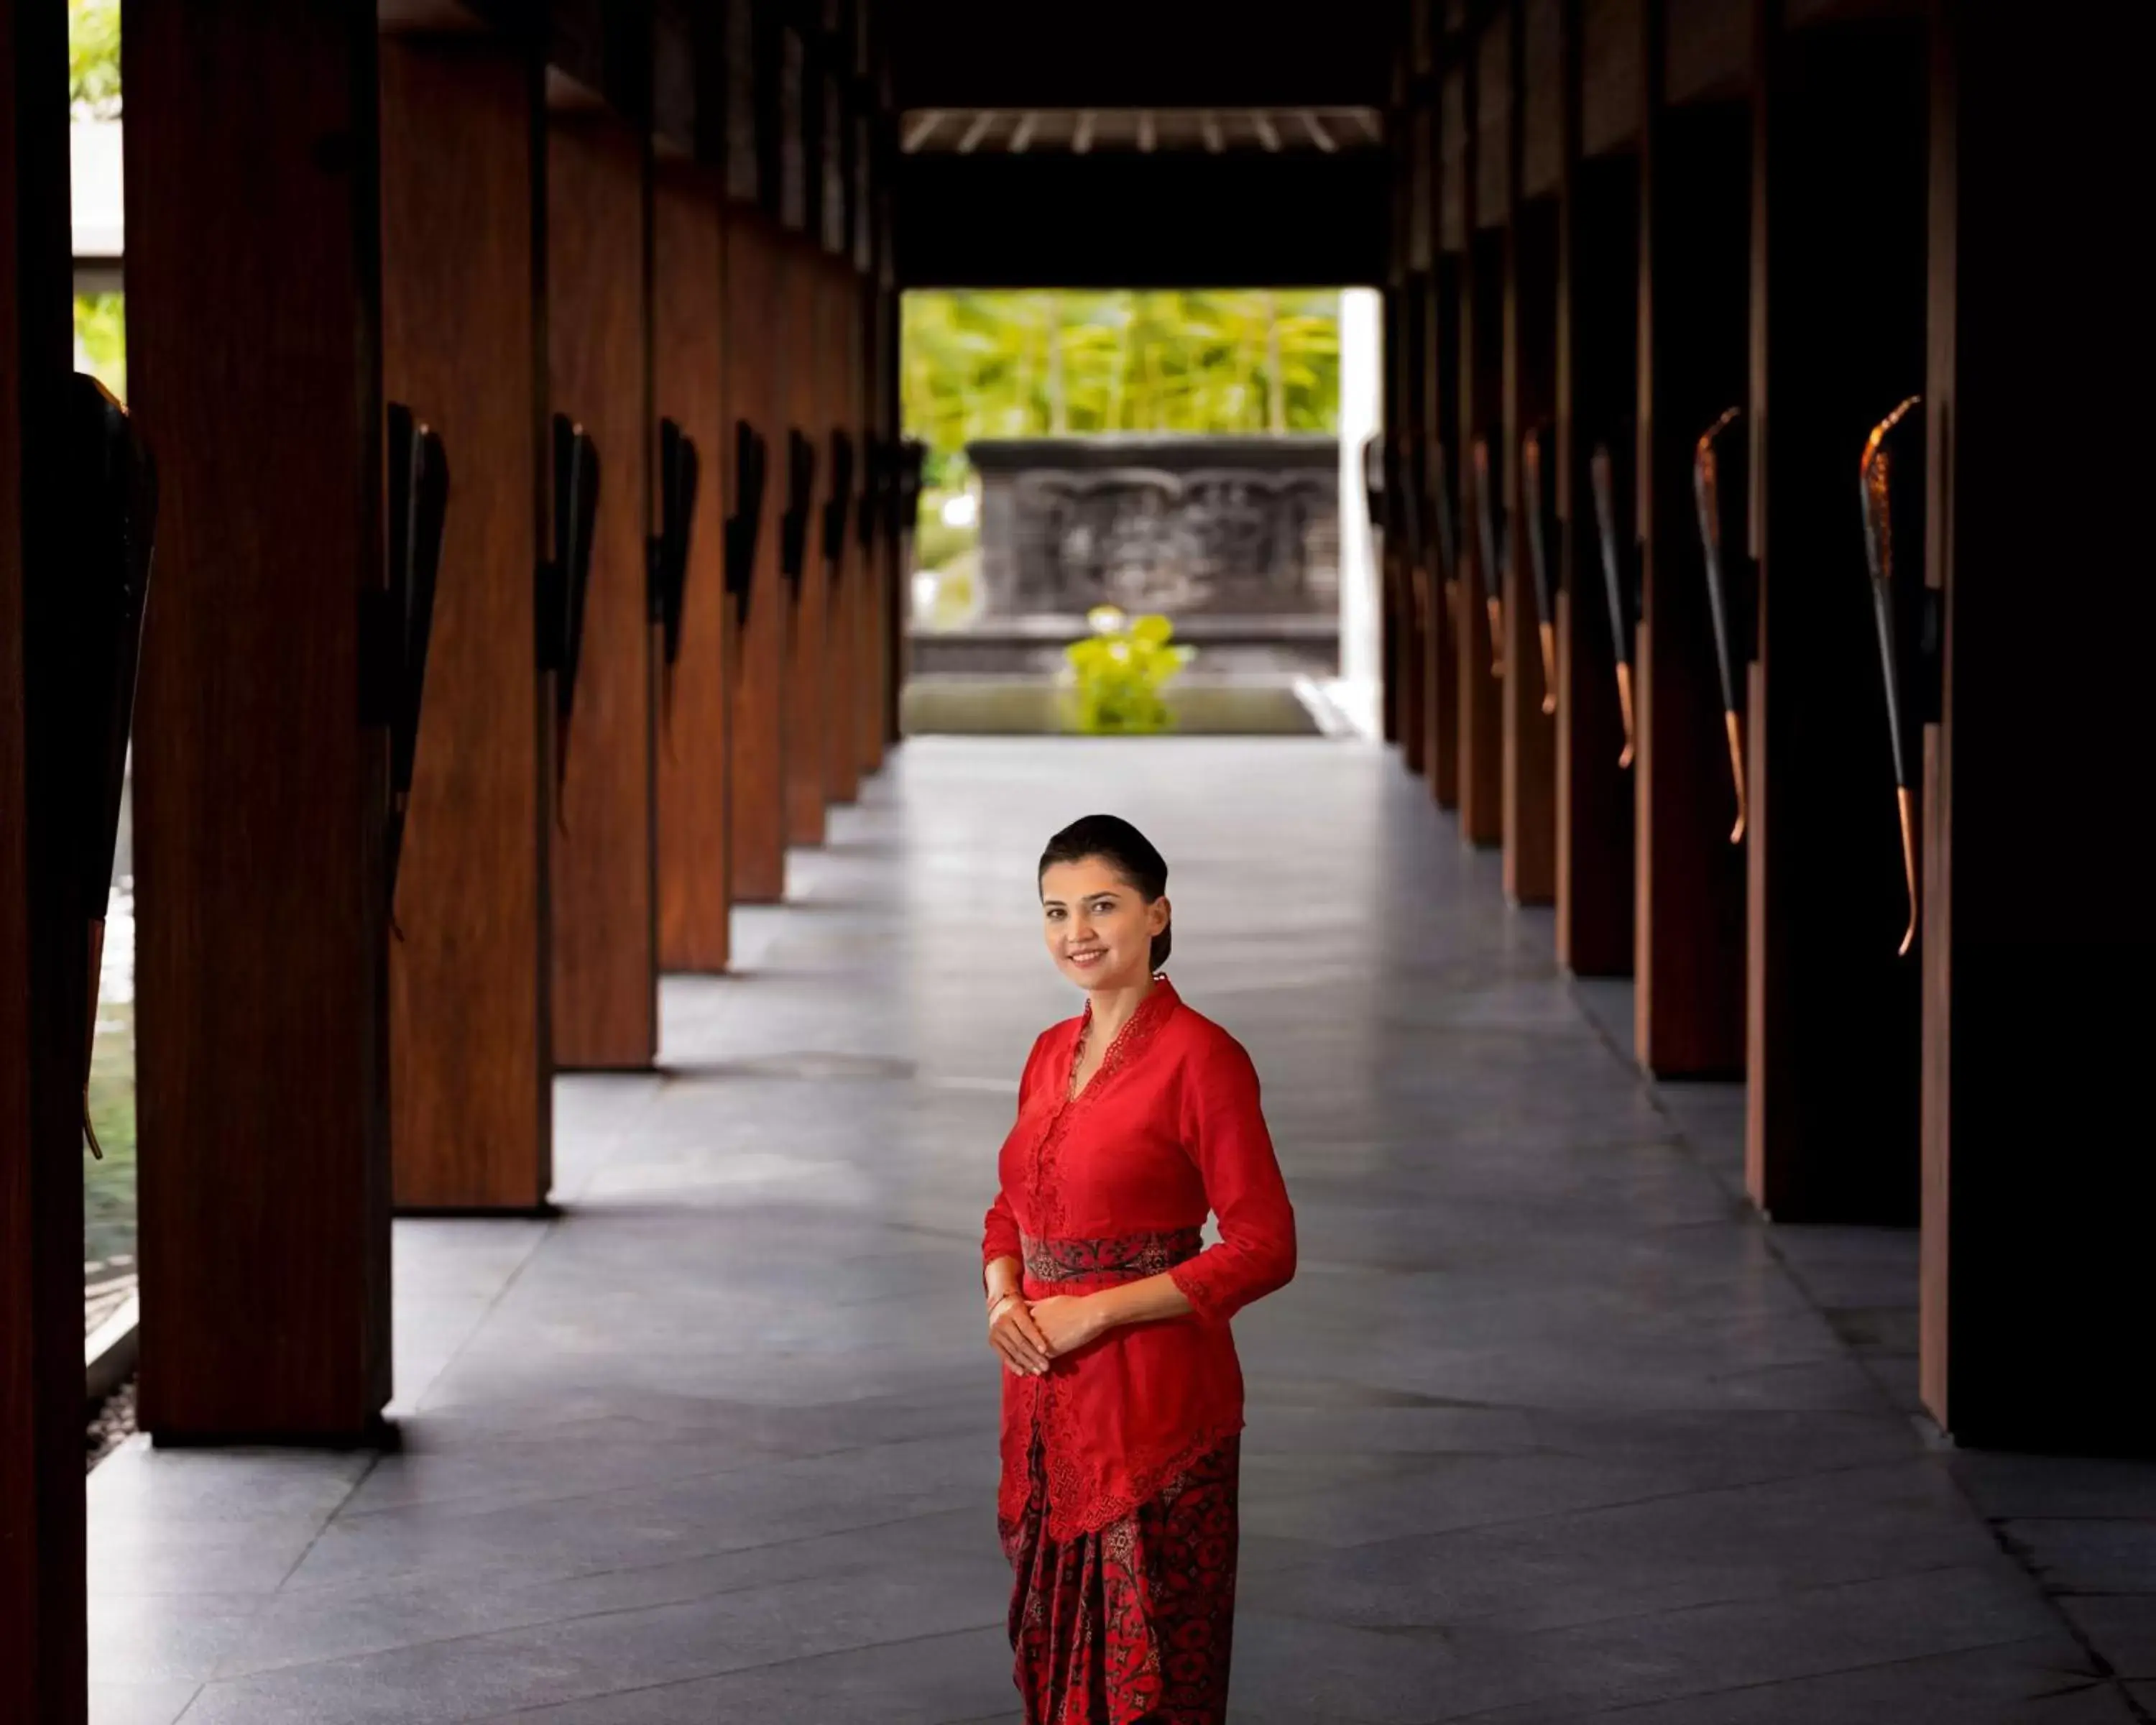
{"points": [[1120, 670]]}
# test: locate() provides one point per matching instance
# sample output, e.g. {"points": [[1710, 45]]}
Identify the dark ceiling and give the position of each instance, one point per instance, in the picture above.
{"points": [[1045, 219], [1139, 54]]}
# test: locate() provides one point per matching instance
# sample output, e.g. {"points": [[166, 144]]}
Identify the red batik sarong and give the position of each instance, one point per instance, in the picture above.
{"points": [[1133, 1622]]}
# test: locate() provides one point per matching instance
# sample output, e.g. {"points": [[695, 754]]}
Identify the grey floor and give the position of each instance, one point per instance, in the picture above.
{"points": [[1548, 1427]]}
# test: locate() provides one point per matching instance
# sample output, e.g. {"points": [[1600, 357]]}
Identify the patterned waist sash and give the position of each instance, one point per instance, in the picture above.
{"points": [[1127, 1256]]}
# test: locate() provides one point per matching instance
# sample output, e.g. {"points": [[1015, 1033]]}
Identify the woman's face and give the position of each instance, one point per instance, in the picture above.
{"points": [[1099, 928]]}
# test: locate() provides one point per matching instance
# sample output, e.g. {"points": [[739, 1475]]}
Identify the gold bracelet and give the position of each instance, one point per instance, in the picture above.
{"points": [[996, 1305]]}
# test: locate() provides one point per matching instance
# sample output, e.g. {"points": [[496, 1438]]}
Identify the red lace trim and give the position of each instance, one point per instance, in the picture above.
{"points": [[1067, 1485], [1152, 1012]]}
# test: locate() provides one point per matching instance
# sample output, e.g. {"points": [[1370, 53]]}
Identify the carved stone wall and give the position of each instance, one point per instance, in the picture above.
{"points": [[1191, 526]]}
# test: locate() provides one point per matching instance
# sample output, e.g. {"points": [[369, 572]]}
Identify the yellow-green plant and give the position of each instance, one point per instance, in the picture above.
{"points": [[1119, 671], [1024, 364], [94, 59]]}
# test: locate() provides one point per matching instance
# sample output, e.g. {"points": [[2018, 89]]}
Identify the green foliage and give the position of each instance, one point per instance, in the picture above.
{"points": [[100, 335], [981, 365], [1120, 669], [108, 1190], [94, 59]]}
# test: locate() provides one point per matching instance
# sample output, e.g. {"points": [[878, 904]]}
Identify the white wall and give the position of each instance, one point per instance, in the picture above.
{"points": [[1361, 371]]}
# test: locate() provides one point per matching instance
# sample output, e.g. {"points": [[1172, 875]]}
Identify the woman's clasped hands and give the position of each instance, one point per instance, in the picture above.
{"points": [[1028, 1334]]}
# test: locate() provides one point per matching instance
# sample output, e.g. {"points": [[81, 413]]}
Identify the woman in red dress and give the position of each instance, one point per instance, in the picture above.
{"points": [[1123, 1400]]}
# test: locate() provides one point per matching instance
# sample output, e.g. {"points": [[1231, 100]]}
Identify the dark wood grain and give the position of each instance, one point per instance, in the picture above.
{"points": [[759, 701], [1689, 926], [1598, 393], [843, 667], [1834, 1011], [605, 898], [262, 1032], [874, 612], [1441, 643], [897, 572], [1441, 650], [799, 327], [2036, 942], [43, 1003], [471, 1062], [1403, 358], [688, 374], [1481, 414], [1393, 620], [1610, 83], [1528, 767]]}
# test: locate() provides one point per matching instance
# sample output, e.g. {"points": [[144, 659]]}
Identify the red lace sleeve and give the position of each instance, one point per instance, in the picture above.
{"points": [[999, 1230], [1225, 1131]]}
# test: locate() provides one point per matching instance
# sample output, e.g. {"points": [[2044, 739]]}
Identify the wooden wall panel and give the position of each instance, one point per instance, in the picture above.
{"points": [[1689, 926], [1610, 83], [870, 602], [1481, 405], [1529, 763], [605, 896], [1438, 307], [844, 668], [2036, 942], [897, 557], [799, 327], [1492, 119], [1446, 410], [1834, 1011], [1707, 49], [43, 1003], [874, 576], [253, 311], [1599, 405], [1479, 329], [689, 380], [470, 1055], [1542, 86], [759, 703], [1392, 698], [1406, 360]]}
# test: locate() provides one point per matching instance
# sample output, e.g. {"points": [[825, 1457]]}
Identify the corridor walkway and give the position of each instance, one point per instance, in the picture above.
{"points": [[1547, 1428]]}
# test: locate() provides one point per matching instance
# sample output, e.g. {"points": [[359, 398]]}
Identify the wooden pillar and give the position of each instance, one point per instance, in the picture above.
{"points": [[1448, 407], [1488, 194], [462, 166], [758, 840], [1437, 750], [1598, 406], [798, 325], [43, 972], [2035, 940], [1689, 924], [898, 570], [689, 233], [1440, 648], [844, 666], [1396, 600], [874, 608], [1529, 763], [1415, 561], [605, 876], [1837, 341], [254, 326], [1396, 673]]}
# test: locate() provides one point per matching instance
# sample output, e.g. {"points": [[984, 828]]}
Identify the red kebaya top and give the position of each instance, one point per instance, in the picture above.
{"points": [[1114, 1186]]}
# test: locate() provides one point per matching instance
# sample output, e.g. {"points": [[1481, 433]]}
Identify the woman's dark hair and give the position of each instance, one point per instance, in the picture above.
{"points": [[1116, 842]]}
